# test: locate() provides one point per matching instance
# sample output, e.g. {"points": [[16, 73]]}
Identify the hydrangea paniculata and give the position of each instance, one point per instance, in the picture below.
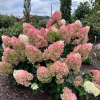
{"points": [[26, 27], [10, 56], [95, 74], [54, 51], [68, 95], [83, 50], [35, 39], [23, 38], [33, 54], [6, 41], [43, 74], [6, 68], [59, 70], [34, 86], [74, 62], [19, 47], [23, 77], [89, 86], [77, 81]]}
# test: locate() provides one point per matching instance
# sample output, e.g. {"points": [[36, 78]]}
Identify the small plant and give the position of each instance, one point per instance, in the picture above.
{"points": [[97, 50]]}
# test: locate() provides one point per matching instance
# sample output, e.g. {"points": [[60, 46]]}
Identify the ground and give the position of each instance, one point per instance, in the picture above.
{"points": [[9, 91]]}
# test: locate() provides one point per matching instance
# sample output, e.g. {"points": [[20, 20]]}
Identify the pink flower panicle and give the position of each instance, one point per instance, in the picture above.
{"points": [[83, 50], [33, 54], [26, 27], [43, 32], [19, 47], [5, 68], [54, 51], [35, 39], [51, 34], [23, 77], [6, 41], [59, 70], [68, 95], [10, 56], [43, 74], [73, 62], [55, 17], [62, 22], [95, 74], [77, 81]]}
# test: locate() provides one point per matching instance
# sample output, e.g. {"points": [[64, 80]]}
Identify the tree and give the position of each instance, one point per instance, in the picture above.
{"points": [[83, 8], [65, 8], [27, 10]]}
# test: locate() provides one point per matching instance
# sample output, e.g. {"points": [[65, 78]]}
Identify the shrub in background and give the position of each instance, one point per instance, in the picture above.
{"points": [[42, 23], [7, 21]]}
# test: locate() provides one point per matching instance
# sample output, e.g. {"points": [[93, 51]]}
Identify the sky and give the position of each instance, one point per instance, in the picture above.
{"points": [[38, 7]]}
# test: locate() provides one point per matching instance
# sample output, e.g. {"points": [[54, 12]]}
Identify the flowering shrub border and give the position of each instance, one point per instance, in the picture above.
{"points": [[50, 59]]}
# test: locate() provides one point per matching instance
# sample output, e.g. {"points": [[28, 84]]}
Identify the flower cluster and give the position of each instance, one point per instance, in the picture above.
{"points": [[55, 17], [54, 51], [34, 86], [95, 74], [10, 56], [59, 70], [73, 62], [26, 27], [68, 95], [24, 39], [19, 47], [44, 75], [83, 50], [5, 68], [33, 54], [90, 88], [35, 39], [6, 41], [23, 77], [77, 81]]}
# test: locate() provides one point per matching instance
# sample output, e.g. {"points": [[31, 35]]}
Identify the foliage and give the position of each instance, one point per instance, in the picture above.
{"points": [[65, 8], [93, 20], [7, 21], [97, 50], [88, 60], [50, 59], [82, 9], [15, 30], [36, 19], [42, 23]]}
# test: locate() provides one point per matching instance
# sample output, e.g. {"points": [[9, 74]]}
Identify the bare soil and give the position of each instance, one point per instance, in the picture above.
{"points": [[9, 91]]}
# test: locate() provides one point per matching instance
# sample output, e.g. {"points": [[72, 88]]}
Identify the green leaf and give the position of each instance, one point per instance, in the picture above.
{"points": [[74, 90], [58, 88], [40, 84], [87, 96], [63, 85], [57, 95], [26, 67], [35, 92]]}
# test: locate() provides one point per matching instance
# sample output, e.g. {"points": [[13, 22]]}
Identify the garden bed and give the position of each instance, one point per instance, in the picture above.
{"points": [[9, 91]]}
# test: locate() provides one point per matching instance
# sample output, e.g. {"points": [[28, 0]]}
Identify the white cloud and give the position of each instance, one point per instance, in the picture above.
{"points": [[39, 7]]}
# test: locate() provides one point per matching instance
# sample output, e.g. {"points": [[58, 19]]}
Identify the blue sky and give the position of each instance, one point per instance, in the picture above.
{"points": [[38, 7]]}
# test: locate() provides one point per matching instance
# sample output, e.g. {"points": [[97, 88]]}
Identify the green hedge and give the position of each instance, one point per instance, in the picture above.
{"points": [[7, 21]]}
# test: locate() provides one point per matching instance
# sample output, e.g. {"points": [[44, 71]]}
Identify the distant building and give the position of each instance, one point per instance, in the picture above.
{"points": [[22, 19]]}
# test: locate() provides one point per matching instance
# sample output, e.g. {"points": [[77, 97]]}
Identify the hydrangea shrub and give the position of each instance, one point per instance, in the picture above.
{"points": [[50, 59]]}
